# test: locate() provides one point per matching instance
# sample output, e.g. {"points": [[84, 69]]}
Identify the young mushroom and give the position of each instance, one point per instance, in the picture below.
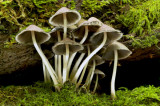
{"points": [[104, 35], [36, 36], [84, 29], [97, 72], [65, 17], [56, 36], [115, 51], [66, 47]]}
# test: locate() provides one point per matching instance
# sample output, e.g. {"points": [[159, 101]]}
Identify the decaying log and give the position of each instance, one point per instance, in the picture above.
{"points": [[20, 57], [140, 53]]}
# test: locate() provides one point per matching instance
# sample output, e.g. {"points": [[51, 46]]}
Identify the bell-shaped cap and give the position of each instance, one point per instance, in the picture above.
{"points": [[98, 60], [99, 72], [54, 35], [92, 48], [123, 51], [112, 35], [25, 36], [72, 17], [60, 47], [93, 25]]}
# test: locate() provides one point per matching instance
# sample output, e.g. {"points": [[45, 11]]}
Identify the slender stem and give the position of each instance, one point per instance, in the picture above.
{"points": [[46, 62], [76, 65], [65, 58], [92, 73], [74, 54], [84, 69], [85, 35], [44, 72], [82, 75], [89, 57], [59, 60], [95, 86], [55, 63], [114, 75], [65, 25]]}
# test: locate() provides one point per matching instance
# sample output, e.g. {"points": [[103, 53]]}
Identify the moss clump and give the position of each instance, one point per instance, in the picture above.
{"points": [[43, 94]]}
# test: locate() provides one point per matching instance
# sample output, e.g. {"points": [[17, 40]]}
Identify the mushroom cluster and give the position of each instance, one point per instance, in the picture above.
{"points": [[79, 46]]}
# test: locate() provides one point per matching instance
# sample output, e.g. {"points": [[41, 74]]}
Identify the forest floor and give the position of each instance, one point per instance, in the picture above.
{"points": [[43, 94]]}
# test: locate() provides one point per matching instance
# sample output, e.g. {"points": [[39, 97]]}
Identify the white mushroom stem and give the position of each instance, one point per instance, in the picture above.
{"points": [[65, 25], [89, 57], [85, 35], [46, 62], [74, 70], [82, 75], [56, 63], [113, 95], [84, 70], [44, 72], [91, 76], [96, 83], [65, 58], [59, 61], [74, 54]]}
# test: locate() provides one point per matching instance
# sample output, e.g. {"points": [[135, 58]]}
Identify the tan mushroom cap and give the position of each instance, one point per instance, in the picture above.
{"points": [[54, 35], [112, 35], [60, 49], [97, 71], [25, 36], [93, 25], [72, 17], [123, 51], [98, 60]]}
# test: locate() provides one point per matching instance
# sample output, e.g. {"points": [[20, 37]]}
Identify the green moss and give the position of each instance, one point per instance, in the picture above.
{"points": [[43, 94], [136, 17]]}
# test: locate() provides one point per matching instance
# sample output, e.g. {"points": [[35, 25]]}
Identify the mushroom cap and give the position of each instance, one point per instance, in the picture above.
{"points": [[54, 36], [112, 35], [98, 60], [72, 17], [60, 49], [92, 48], [93, 25], [123, 51], [25, 36], [97, 71]]}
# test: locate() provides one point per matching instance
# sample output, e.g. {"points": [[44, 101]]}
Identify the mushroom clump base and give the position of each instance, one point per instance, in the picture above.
{"points": [[78, 46]]}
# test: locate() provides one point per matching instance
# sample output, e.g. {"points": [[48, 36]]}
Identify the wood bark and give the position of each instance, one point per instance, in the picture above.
{"points": [[20, 57]]}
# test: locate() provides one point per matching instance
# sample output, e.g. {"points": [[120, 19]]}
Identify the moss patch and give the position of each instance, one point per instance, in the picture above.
{"points": [[42, 94]]}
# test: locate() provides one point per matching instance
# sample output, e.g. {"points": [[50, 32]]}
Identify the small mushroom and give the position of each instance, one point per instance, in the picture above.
{"points": [[36, 36], [84, 27], [65, 17], [102, 36], [56, 36], [98, 72], [95, 61], [115, 51], [66, 47]]}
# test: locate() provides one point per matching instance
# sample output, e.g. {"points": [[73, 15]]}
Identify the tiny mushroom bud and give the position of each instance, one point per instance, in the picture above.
{"points": [[98, 72], [115, 51]]}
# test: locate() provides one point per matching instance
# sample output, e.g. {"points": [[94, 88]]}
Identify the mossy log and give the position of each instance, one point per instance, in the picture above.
{"points": [[21, 57]]}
